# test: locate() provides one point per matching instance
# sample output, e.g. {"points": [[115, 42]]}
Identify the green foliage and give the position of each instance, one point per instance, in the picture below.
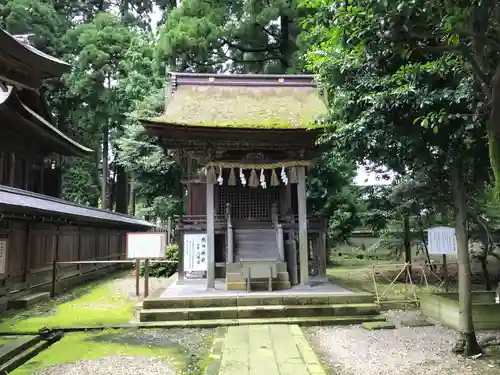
{"points": [[164, 269], [331, 193], [252, 36], [385, 104]]}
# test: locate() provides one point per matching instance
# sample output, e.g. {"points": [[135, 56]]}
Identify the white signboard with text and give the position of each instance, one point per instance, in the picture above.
{"points": [[148, 245], [442, 240], [3, 256], [195, 252]]}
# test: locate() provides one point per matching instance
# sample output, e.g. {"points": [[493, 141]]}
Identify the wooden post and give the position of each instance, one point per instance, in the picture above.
{"points": [[445, 274], [302, 208], [79, 250], [12, 169], [146, 278], [1, 166], [42, 178], [322, 252], [281, 244], [169, 230], [54, 279], [27, 254], [27, 168], [230, 239], [137, 277], [210, 237]]}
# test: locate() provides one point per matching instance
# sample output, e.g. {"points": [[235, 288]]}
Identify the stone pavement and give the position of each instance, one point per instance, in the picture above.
{"points": [[264, 350]]}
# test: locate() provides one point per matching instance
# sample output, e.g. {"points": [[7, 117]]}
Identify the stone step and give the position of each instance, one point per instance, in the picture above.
{"points": [[259, 285], [27, 300], [257, 299], [304, 321], [16, 346], [247, 312]]}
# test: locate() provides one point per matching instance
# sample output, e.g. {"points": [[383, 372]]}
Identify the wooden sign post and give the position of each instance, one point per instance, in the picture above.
{"points": [[442, 240], [145, 246]]}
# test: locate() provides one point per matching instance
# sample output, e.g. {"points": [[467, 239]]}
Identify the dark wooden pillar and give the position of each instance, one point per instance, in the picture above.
{"points": [[210, 236], [12, 169], [2, 162]]}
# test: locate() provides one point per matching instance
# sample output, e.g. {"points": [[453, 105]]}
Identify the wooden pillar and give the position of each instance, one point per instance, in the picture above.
{"points": [[12, 169], [322, 252], [302, 208], [2, 162], [41, 177], [27, 254], [27, 169], [291, 257], [210, 237], [230, 238]]}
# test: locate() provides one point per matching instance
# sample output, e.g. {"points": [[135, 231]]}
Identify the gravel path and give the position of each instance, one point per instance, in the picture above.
{"points": [[354, 350], [113, 365]]}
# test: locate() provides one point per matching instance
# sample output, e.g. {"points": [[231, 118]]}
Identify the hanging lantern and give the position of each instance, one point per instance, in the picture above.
{"points": [[220, 180], [293, 175], [231, 181], [210, 173], [274, 178], [254, 180]]}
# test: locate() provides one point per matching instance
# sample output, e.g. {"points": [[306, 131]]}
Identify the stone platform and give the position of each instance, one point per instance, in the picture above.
{"points": [[189, 303], [198, 288]]}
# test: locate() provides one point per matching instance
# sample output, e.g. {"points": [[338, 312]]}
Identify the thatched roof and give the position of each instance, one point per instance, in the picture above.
{"points": [[243, 101]]}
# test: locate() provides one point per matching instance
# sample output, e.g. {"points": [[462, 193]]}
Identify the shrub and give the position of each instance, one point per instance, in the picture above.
{"points": [[164, 269]]}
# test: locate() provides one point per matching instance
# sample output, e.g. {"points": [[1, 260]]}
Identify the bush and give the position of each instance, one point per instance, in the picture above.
{"points": [[164, 269]]}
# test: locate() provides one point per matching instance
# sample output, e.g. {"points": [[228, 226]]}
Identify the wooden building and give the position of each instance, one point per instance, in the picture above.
{"points": [[36, 227], [245, 143]]}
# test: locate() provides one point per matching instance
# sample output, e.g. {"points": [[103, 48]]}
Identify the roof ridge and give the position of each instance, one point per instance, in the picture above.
{"points": [[242, 80]]}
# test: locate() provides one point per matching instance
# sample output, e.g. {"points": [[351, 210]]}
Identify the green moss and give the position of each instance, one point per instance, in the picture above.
{"points": [[251, 125], [244, 107], [374, 326], [101, 305], [79, 346]]}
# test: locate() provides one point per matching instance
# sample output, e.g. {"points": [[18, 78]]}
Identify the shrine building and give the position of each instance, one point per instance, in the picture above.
{"points": [[245, 143]]}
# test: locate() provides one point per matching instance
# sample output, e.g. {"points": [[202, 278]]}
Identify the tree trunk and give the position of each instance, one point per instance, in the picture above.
{"points": [[121, 190], [132, 196], [105, 158], [467, 341]]}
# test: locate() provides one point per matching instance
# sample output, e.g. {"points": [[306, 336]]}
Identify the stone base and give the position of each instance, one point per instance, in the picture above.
{"points": [[258, 285]]}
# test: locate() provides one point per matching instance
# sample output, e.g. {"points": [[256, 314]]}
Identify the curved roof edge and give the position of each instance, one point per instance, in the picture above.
{"points": [[30, 58], [23, 200], [73, 147]]}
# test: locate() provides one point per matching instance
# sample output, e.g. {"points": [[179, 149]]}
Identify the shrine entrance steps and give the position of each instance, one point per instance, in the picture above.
{"points": [[250, 309]]}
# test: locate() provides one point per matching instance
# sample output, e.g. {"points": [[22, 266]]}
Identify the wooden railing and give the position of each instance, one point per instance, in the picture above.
{"points": [[198, 222]]}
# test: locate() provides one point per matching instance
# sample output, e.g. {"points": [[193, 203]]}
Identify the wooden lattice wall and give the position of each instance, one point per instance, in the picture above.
{"points": [[248, 202]]}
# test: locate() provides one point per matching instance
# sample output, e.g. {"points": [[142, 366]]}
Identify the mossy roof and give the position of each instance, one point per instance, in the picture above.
{"points": [[274, 107]]}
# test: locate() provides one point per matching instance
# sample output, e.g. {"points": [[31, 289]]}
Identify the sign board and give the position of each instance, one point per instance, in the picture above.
{"points": [[442, 240], [195, 252], [3, 255], [149, 245]]}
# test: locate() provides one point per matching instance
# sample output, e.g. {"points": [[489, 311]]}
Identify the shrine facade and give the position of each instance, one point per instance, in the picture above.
{"points": [[245, 143]]}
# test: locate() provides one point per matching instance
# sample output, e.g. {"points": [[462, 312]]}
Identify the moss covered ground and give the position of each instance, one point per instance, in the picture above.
{"points": [[101, 303]]}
